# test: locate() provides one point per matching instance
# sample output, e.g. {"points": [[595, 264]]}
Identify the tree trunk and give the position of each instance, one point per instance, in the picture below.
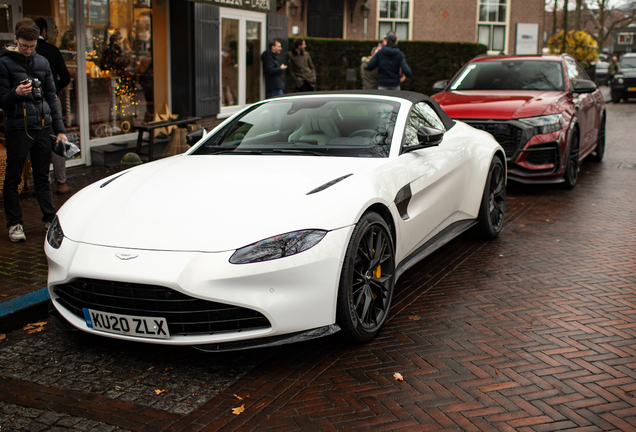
{"points": [[565, 23], [554, 18], [577, 15]]}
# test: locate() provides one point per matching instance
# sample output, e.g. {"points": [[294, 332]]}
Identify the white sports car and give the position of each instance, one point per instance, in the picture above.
{"points": [[291, 220]]}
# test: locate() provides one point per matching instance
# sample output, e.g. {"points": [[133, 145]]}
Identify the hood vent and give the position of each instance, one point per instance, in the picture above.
{"points": [[107, 182], [329, 184]]}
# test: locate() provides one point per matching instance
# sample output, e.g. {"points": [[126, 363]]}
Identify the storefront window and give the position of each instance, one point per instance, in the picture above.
{"points": [[229, 61], [118, 65]]}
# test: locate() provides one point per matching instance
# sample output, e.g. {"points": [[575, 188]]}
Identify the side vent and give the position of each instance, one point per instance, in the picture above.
{"points": [[402, 200], [328, 185]]}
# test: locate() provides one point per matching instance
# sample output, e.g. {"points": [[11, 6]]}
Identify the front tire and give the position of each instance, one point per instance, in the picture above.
{"points": [[493, 202], [367, 280], [599, 151], [572, 165]]}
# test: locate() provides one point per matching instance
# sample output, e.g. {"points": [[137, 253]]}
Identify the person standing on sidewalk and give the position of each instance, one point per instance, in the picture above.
{"points": [[31, 115], [62, 78], [301, 68], [391, 64], [274, 71]]}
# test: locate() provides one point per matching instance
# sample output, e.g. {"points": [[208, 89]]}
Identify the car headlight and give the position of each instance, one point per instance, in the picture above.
{"points": [[278, 246], [55, 235], [619, 79], [544, 124]]}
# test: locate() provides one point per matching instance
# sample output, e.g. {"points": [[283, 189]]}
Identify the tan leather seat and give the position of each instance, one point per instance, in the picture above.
{"points": [[316, 126]]}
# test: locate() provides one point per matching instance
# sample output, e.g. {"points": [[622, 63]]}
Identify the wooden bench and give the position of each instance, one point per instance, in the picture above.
{"points": [[151, 127]]}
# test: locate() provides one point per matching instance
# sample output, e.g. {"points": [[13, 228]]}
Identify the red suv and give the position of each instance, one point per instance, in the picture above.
{"points": [[544, 110]]}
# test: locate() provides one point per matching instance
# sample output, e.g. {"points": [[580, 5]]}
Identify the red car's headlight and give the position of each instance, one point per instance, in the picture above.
{"points": [[544, 124]]}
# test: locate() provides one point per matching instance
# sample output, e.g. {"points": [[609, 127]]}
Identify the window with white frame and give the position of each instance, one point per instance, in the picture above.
{"points": [[394, 15], [491, 28]]}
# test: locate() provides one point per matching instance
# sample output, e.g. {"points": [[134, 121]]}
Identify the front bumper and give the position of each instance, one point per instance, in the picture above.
{"points": [[531, 158], [205, 299]]}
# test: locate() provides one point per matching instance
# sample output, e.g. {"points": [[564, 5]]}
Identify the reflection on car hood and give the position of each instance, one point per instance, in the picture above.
{"points": [[627, 72], [498, 104], [216, 203]]}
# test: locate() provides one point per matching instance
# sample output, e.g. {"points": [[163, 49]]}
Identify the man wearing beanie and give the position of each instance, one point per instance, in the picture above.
{"points": [[391, 64]]}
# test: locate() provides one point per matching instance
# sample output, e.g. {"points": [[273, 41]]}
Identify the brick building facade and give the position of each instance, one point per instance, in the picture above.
{"points": [[492, 22]]}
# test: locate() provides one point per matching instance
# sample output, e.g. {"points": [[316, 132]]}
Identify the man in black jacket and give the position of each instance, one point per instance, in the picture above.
{"points": [[27, 97], [62, 79], [391, 64], [274, 71]]}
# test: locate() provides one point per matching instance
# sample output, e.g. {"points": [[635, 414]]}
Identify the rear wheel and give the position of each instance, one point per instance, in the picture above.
{"points": [[493, 201], [367, 280], [572, 163], [616, 98], [599, 151]]}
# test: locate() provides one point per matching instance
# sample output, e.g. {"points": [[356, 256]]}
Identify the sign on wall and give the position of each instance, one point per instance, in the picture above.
{"points": [[265, 6], [527, 39]]}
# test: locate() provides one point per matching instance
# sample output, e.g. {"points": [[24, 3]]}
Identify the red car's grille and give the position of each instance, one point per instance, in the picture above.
{"points": [[507, 135], [185, 315]]}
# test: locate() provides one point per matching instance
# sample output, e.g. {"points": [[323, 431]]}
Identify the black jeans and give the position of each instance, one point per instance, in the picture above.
{"points": [[19, 145]]}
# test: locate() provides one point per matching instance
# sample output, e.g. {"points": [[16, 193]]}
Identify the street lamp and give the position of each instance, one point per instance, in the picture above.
{"points": [[364, 9], [293, 9]]}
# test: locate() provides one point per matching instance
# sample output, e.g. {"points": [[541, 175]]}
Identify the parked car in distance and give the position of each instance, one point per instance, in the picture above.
{"points": [[543, 110], [623, 85], [602, 72], [291, 220]]}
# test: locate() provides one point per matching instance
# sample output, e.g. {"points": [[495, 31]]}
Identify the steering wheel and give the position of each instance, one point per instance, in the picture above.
{"points": [[368, 133]]}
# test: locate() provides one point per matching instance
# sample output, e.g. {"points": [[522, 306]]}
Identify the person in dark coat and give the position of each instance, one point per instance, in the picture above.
{"points": [[62, 78], [31, 115], [301, 68], [274, 71], [391, 64]]}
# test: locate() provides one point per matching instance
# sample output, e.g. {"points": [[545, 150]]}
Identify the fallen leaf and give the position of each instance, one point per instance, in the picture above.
{"points": [[35, 327], [238, 397], [160, 391], [496, 371], [239, 410], [398, 376], [4, 295], [189, 402], [414, 318], [3, 336]]}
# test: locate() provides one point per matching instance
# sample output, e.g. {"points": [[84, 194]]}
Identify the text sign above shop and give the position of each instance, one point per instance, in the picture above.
{"points": [[266, 6]]}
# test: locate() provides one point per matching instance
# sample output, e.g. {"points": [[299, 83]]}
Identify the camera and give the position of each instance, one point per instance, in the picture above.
{"points": [[36, 89]]}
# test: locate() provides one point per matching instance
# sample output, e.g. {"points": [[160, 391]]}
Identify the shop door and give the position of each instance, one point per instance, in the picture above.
{"points": [[242, 42]]}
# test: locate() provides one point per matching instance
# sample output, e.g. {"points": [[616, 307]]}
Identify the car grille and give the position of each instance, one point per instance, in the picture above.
{"points": [[507, 135], [185, 315]]}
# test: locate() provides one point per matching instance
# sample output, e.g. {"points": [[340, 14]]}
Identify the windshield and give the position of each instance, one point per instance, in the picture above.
{"points": [[309, 126], [511, 75], [628, 62]]}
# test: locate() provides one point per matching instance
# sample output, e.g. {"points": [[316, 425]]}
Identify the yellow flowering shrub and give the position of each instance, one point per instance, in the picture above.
{"points": [[579, 44]]}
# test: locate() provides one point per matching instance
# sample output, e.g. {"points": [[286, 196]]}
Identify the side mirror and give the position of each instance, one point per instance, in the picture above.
{"points": [[426, 137], [440, 85], [193, 137], [584, 86]]}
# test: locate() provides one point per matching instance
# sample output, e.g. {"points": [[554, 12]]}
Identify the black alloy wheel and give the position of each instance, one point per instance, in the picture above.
{"points": [[367, 280], [572, 165], [599, 151], [493, 202]]}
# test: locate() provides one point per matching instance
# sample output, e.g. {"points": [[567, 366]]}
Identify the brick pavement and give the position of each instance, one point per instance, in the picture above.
{"points": [[533, 331]]}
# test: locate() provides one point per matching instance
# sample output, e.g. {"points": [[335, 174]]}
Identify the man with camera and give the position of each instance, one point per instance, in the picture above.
{"points": [[31, 116]]}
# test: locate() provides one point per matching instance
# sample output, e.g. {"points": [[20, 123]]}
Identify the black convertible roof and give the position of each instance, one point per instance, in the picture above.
{"points": [[412, 97]]}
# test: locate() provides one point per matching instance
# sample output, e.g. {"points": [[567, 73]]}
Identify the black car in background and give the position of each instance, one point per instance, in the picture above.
{"points": [[623, 86]]}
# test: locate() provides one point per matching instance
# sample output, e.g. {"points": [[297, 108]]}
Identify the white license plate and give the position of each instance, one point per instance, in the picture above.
{"points": [[130, 325]]}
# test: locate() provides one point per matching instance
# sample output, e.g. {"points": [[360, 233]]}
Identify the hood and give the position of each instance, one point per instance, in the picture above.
{"points": [[390, 50], [11, 49], [216, 203], [627, 72], [499, 105]]}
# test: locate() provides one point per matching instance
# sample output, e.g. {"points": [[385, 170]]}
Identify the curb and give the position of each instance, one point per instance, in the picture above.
{"points": [[20, 311]]}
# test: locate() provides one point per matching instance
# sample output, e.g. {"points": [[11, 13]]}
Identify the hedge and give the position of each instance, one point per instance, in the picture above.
{"points": [[429, 61]]}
